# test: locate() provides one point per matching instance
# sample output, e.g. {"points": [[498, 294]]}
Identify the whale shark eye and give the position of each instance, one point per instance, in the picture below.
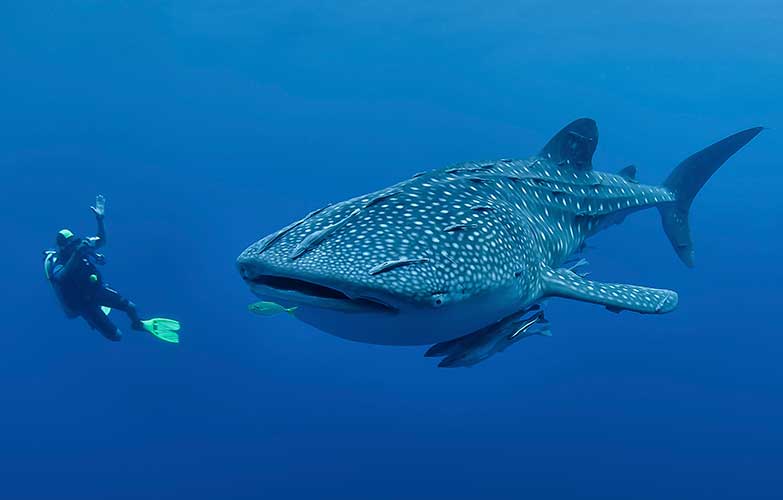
{"points": [[439, 299]]}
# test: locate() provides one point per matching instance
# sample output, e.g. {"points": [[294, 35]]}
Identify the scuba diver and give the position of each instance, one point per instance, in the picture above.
{"points": [[73, 272]]}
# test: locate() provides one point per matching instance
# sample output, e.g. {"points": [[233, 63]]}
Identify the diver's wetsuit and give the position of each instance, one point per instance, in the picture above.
{"points": [[83, 291]]}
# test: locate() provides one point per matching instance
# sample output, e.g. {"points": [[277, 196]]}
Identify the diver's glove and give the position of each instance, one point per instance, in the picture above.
{"points": [[100, 207]]}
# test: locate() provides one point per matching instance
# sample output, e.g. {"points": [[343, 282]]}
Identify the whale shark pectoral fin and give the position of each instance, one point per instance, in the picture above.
{"points": [[616, 297]]}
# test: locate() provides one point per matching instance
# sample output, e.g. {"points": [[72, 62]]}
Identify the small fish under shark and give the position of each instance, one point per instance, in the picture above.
{"points": [[463, 257]]}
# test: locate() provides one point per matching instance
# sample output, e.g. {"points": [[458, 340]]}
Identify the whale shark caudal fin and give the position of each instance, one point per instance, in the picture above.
{"points": [[687, 179], [616, 297]]}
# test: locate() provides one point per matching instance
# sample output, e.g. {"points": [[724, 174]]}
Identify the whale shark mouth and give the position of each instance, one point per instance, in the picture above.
{"points": [[308, 293], [301, 286]]}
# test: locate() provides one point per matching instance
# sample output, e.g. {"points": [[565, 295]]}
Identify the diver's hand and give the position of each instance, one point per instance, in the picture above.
{"points": [[100, 207]]}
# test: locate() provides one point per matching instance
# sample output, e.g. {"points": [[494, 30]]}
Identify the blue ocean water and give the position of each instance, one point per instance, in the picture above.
{"points": [[209, 124]]}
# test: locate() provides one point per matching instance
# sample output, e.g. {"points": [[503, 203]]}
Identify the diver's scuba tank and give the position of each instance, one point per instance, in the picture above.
{"points": [[50, 261]]}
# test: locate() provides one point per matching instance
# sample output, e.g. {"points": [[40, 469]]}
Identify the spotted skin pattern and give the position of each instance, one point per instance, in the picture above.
{"points": [[540, 214]]}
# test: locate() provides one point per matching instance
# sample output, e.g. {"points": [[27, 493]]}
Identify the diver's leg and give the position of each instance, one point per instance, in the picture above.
{"points": [[99, 321], [111, 298]]}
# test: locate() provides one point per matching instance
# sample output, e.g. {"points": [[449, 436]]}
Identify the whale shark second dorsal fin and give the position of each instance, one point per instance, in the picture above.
{"points": [[628, 173], [574, 145]]}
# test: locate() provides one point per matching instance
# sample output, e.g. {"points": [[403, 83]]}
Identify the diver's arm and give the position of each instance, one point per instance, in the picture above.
{"points": [[101, 235], [99, 210], [73, 261]]}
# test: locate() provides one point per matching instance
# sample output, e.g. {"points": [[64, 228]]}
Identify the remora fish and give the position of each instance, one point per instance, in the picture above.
{"points": [[269, 309], [470, 248]]}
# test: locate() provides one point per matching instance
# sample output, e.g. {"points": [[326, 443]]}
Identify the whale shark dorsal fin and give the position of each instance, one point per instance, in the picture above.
{"points": [[628, 173], [615, 297], [574, 145]]}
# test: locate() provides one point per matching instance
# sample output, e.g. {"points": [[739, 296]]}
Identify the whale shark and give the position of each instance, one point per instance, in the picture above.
{"points": [[463, 257]]}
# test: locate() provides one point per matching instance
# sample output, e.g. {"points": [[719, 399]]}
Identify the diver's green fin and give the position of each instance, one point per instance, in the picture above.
{"points": [[163, 328], [616, 297], [106, 310]]}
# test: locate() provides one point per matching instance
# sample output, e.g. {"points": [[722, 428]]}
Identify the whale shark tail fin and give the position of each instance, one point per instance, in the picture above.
{"points": [[687, 179]]}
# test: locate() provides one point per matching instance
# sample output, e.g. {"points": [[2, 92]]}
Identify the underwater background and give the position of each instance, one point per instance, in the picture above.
{"points": [[209, 124]]}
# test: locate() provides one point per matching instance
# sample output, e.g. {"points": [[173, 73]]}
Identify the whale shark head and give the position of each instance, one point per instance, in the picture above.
{"points": [[382, 268]]}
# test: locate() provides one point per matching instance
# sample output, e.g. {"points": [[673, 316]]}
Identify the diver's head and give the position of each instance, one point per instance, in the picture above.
{"points": [[65, 238]]}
